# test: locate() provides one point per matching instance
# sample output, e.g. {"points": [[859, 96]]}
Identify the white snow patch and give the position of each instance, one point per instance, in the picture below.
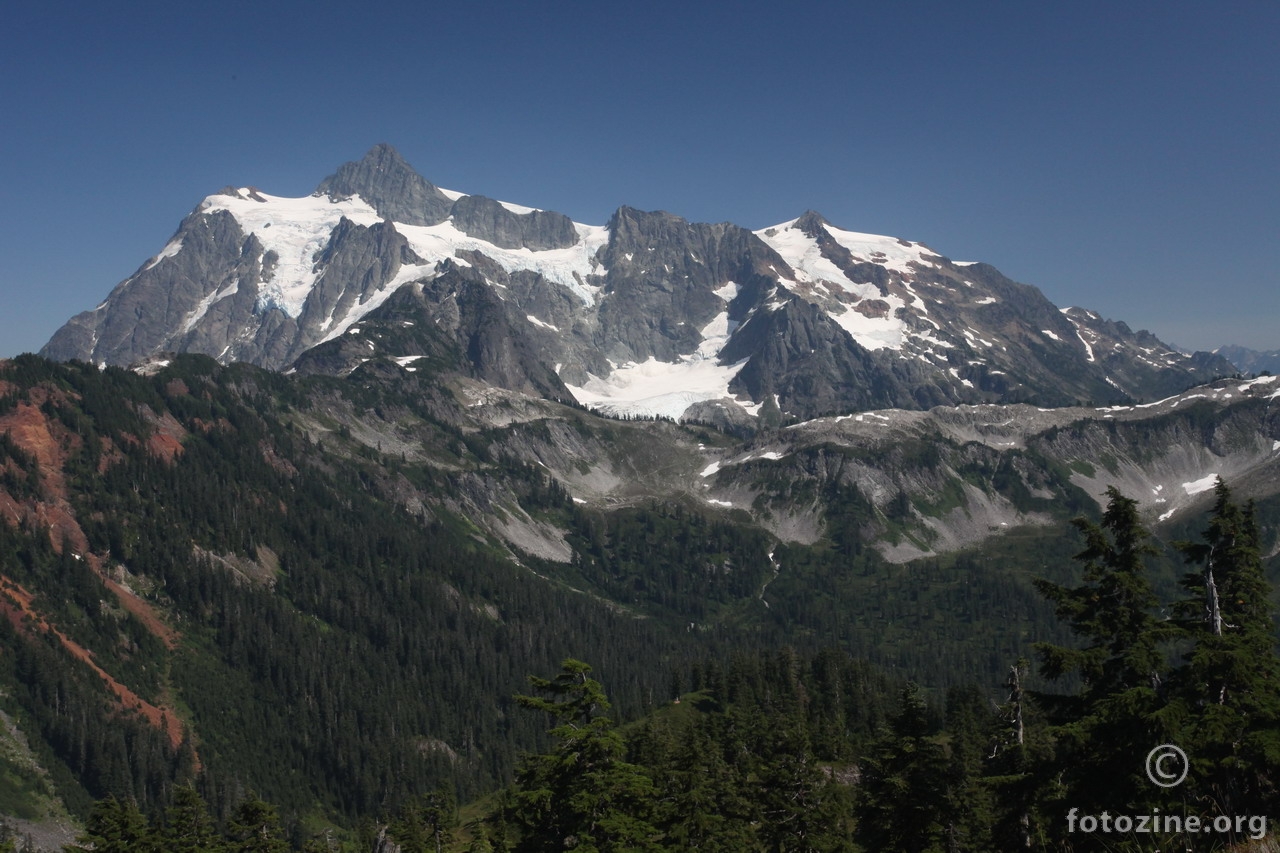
{"points": [[718, 503], [986, 300], [890, 252], [874, 333], [1204, 484], [296, 229], [535, 321], [408, 273], [805, 258], [657, 388], [728, 292], [1049, 334], [1088, 348], [566, 267], [1261, 380], [406, 360], [518, 208], [173, 247], [710, 469], [197, 313]]}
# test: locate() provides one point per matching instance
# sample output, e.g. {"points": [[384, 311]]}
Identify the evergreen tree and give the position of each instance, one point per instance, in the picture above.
{"points": [[189, 828], [480, 843], [255, 828], [968, 813], [1104, 733], [902, 796], [1018, 749], [116, 826], [427, 823], [581, 796], [704, 801], [1227, 692]]}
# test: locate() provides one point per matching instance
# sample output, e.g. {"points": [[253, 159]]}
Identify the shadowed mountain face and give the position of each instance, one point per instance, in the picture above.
{"points": [[647, 315]]}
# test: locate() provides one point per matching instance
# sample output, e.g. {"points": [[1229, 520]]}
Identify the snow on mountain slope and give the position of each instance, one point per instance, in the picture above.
{"points": [[296, 229], [872, 307], [667, 389], [566, 267], [648, 314]]}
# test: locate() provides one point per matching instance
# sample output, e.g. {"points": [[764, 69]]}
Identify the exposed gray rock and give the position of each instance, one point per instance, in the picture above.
{"points": [[357, 263], [205, 297], [384, 180], [663, 271], [457, 324], [940, 332], [486, 219], [152, 310]]}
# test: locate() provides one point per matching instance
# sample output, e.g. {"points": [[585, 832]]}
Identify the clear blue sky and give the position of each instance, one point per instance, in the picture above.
{"points": [[1120, 156]]}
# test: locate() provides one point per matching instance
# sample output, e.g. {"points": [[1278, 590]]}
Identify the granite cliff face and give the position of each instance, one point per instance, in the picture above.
{"points": [[649, 314]]}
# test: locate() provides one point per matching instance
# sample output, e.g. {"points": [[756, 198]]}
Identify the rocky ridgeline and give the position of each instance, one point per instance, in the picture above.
{"points": [[797, 321]]}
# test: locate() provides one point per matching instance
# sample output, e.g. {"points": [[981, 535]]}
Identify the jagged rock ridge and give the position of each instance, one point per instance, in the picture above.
{"points": [[648, 314]]}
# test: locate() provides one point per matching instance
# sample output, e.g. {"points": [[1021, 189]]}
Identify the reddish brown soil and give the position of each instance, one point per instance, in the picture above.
{"points": [[166, 442], [16, 604], [49, 442], [144, 612]]}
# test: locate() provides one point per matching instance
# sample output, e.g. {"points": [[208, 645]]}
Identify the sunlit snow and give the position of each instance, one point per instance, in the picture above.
{"points": [[1204, 484], [197, 314], [801, 252], [729, 292], [296, 229], [535, 321], [568, 267], [657, 389], [174, 247]]}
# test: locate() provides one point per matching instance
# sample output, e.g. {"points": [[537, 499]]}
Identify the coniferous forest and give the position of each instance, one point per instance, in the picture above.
{"points": [[231, 623]]}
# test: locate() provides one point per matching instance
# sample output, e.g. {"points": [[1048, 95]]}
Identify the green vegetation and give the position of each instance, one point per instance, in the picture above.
{"points": [[333, 634]]}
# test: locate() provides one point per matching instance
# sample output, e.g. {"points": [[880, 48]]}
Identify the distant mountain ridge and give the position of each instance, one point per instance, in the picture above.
{"points": [[648, 314], [1250, 360]]}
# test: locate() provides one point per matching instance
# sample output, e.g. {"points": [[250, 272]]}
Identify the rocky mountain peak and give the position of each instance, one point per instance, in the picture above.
{"points": [[811, 224], [649, 314], [384, 180]]}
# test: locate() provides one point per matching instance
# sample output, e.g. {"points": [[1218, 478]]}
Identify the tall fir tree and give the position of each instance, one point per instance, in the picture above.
{"points": [[902, 798], [582, 795], [1226, 694], [1104, 732], [189, 827], [255, 828], [116, 826]]}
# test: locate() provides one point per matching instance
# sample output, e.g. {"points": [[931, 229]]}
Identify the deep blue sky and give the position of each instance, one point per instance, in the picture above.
{"points": [[1120, 156]]}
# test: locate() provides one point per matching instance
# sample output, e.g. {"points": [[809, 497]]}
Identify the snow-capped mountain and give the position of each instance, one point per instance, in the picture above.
{"points": [[647, 314]]}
